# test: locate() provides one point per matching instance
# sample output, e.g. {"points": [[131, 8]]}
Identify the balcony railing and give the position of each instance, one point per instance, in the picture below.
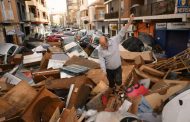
{"points": [[106, 0], [99, 17], [112, 15]]}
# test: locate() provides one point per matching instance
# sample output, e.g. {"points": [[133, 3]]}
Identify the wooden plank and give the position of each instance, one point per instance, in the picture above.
{"points": [[83, 62], [97, 75], [65, 83], [69, 115], [155, 99], [44, 74], [147, 56], [139, 61], [126, 73], [152, 71], [146, 76], [45, 60]]}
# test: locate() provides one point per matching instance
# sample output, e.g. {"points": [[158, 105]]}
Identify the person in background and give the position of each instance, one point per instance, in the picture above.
{"points": [[109, 56]]}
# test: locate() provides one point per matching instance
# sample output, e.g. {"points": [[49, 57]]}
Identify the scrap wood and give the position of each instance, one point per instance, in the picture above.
{"points": [[43, 106], [69, 115], [139, 61], [147, 56], [127, 73], [111, 105], [97, 75], [44, 74], [96, 103], [79, 95], [4, 86], [147, 76], [101, 87], [155, 99], [65, 83], [83, 62], [152, 71], [177, 63], [45, 60], [18, 98], [42, 83], [162, 87]]}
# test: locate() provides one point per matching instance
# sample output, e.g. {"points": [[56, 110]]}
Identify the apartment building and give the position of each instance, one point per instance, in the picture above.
{"points": [[84, 14], [13, 21], [112, 12], [97, 10], [72, 11], [37, 15]]}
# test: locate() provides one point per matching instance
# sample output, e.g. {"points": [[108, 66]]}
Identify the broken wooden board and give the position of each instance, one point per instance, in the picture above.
{"points": [[139, 61], [55, 50], [152, 71], [127, 73], [19, 97], [147, 76], [100, 87], [57, 44], [65, 83], [69, 115], [177, 63], [45, 60], [96, 103], [147, 56], [4, 86], [44, 74], [155, 99], [6, 110], [80, 94], [83, 62], [111, 105], [42, 107], [56, 115], [32, 60], [17, 59], [97, 75]]}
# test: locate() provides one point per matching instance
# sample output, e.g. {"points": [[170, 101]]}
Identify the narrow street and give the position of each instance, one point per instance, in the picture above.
{"points": [[94, 60]]}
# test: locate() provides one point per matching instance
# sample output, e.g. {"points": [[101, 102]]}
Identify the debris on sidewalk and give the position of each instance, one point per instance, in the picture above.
{"points": [[48, 85]]}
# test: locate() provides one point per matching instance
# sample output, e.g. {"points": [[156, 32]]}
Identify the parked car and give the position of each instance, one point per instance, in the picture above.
{"points": [[67, 39], [8, 49], [73, 48], [94, 56]]}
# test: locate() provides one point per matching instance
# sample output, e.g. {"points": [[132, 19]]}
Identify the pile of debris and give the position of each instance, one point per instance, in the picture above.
{"points": [[50, 86]]}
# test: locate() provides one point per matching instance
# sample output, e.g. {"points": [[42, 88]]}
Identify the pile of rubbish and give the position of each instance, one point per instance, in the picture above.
{"points": [[48, 86]]}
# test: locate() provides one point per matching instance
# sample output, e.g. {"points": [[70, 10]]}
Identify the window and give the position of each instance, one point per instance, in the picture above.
{"points": [[122, 6]]}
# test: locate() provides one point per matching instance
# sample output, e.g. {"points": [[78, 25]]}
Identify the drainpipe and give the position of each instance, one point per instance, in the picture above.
{"points": [[119, 16]]}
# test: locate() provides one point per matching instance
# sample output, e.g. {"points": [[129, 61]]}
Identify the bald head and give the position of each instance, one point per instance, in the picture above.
{"points": [[103, 42]]}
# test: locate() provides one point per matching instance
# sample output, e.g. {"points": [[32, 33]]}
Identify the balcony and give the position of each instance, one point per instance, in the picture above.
{"points": [[99, 17], [112, 15], [107, 1]]}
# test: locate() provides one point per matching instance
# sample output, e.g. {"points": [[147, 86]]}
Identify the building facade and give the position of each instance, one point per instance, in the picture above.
{"points": [[72, 11], [97, 15], [37, 15], [84, 14], [13, 21]]}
